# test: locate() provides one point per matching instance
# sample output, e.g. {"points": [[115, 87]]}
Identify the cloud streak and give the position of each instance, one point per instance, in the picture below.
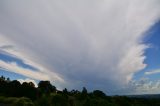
{"points": [[152, 72], [86, 43], [38, 72], [13, 67]]}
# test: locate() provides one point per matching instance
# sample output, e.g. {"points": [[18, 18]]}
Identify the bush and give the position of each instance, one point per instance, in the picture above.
{"points": [[23, 102], [10, 100], [59, 100], [2, 99]]}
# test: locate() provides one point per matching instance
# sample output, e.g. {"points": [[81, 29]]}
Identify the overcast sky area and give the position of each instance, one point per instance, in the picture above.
{"points": [[108, 45]]}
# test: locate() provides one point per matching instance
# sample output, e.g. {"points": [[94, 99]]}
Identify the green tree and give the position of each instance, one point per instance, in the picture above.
{"points": [[65, 91], [29, 90], [46, 87], [99, 93], [84, 91]]}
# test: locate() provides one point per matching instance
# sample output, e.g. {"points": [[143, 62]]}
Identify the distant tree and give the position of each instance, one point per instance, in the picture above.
{"points": [[15, 83], [46, 87], [2, 78], [54, 89], [84, 91], [99, 93], [14, 88], [3, 86], [29, 90], [59, 100], [65, 91], [31, 84], [8, 80], [74, 92], [13, 93], [83, 94], [123, 101]]}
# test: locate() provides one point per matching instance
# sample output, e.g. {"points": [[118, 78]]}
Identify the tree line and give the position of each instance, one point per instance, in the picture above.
{"points": [[13, 93]]}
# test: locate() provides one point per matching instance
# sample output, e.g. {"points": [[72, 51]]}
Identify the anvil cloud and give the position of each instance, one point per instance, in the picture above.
{"points": [[93, 43]]}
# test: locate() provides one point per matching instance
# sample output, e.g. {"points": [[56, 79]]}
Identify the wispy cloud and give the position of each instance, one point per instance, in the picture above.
{"points": [[13, 67], [12, 51], [152, 72], [81, 41]]}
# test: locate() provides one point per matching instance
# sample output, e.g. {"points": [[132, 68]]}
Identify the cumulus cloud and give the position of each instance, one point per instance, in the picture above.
{"points": [[143, 86], [86, 43], [28, 80]]}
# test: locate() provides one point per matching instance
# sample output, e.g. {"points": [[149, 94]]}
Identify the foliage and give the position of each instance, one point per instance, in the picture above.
{"points": [[13, 93]]}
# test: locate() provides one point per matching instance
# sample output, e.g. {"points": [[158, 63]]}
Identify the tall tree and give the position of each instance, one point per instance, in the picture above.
{"points": [[46, 87]]}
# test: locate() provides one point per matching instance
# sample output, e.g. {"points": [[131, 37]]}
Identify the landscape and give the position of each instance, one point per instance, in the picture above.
{"points": [[79, 53], [13, 93]]}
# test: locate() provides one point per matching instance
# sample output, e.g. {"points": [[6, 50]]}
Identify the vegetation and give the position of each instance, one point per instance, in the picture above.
{"points": [[13, 93]]}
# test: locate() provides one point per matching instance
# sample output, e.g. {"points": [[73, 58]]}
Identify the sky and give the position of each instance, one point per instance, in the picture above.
{"points": [[100, 44]]}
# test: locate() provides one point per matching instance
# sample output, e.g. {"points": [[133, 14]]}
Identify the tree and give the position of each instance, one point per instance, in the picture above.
{"points": [[99, 93], [65, 91], [2, 78], [8, 80], [59, 100], [84, 93], [54, 89], [14, 88], [46, 87], [3, 86], [29, 90]]}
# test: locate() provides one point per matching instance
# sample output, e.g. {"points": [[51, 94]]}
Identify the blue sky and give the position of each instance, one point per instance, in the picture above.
{"points": [[102, 45], [152, 53], [11, 75]]}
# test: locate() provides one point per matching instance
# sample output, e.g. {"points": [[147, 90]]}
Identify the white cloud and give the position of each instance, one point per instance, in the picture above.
{"points": [[28, 80], [133, 61], [81, 41], [13, 67], [9, 49], [143, 86], [152, 72]]}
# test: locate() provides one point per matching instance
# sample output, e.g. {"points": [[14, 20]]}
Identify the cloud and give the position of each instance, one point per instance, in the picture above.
{"points": [[152, 72], [86, 43], [13, 67], [133, 61], [11, 51], [28, 80], [143, 86]]}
